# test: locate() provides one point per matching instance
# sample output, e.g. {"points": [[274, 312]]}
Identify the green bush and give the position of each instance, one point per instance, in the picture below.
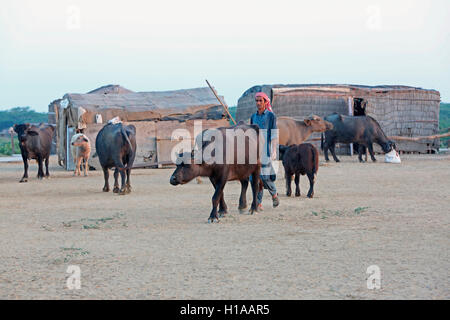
{"points": [[5, 146]]}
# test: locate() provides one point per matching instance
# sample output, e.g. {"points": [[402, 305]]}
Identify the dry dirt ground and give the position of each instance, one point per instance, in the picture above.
{"points": [[155, 243]]}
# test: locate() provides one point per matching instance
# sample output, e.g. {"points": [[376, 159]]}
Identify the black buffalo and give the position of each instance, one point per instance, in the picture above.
{"points": [[363, 130], [299, 159], [219, 172], [116, 147], [35, 143]]}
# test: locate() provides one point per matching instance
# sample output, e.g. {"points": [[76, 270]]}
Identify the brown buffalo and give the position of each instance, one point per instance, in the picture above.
{"points": [[292, 131], [35, 143], [239, 167]]}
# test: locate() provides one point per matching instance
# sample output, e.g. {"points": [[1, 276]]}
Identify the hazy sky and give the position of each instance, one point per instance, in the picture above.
{"points": [[49, 48]]}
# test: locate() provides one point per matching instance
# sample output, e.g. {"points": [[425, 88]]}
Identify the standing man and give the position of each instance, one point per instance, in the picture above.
{"points": [[266, 119]]}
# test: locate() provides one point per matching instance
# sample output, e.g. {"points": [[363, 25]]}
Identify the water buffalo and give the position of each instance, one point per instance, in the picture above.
{"points": [[116, 147], [295, 132], [363, 130], [239, 166], [299, 160], [35, 143]]}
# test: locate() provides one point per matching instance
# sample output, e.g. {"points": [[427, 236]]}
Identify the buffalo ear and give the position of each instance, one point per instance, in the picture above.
{"points": [[307, 122]]}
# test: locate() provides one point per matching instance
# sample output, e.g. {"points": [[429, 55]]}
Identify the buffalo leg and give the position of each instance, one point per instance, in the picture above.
{"points": [[47, 174], [372, 155], [333, 152], [40, 174], [116, 181], [106, 176], [128, 181], [216, 199], [123, 186], [255, 189], [288, 184], [325, 151], [297, 184], [360, 151], [311, 178], [243, 197], [25, 169], [223, 209]]}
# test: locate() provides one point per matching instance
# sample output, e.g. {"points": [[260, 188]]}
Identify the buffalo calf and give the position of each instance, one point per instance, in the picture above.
{"points": [[299, 160], [81, 149]]}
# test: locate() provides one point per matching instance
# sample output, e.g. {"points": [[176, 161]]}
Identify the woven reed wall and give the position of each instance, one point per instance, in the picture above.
{"points": [[407, 113], [400, 112]]}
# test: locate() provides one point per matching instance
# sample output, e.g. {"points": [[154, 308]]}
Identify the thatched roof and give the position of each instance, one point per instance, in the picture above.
{"points": [[198, 103], [336, 88], [111, 88]]}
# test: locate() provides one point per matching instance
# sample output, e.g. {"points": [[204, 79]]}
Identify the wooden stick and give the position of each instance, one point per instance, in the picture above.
{"points": [[223, 104], [421, 137], [13, 151]]}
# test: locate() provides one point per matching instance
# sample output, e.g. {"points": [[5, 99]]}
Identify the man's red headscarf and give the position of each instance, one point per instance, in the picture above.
{"points": [[266, 98]]}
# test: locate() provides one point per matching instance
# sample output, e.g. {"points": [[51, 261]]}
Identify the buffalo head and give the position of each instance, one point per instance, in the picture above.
{"points": [[23, 131], [388, 146], [186, 169], [317, 123]]}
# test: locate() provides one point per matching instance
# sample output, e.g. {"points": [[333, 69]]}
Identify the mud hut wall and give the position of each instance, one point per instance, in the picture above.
{"points": [[53, 108], [153, 140]]}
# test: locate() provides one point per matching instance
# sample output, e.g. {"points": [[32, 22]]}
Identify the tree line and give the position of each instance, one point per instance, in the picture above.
{"points": [[20, 115]]}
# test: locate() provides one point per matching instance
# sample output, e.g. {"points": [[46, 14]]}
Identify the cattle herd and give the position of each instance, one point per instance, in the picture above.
{"points": [[116, 148]]}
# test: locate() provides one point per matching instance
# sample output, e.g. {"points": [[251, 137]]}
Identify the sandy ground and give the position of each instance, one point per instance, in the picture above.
{"points": [[155, 243]]}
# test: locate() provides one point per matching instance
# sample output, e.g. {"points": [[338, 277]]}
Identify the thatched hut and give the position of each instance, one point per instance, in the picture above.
{"points": [[400, 110], [155, 114]]}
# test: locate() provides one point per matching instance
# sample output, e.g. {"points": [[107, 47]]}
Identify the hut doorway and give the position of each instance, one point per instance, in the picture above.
{"points": [[359, 107]]}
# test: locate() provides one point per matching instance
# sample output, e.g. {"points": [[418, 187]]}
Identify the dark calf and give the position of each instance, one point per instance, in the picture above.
{"points": [[299, 160], [35, 143], [116, 147]]}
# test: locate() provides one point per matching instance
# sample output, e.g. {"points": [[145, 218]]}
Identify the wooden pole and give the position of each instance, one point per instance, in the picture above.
{"points": [[223, 104], [350, 113], [12, 143], [420, 137]]}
